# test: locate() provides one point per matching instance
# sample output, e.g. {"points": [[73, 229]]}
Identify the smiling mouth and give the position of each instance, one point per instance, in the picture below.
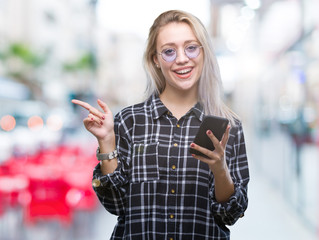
{"points": [[184, 71]]}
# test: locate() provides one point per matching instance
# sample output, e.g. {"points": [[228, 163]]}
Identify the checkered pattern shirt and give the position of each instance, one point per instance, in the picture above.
{"points": [[159, 191]]}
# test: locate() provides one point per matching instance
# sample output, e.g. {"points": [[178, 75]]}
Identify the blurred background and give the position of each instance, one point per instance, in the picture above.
{"points": [[52, 51]]}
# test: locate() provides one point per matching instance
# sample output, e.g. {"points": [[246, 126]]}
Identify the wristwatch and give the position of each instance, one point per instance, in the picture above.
{"points": [[105, 156]]}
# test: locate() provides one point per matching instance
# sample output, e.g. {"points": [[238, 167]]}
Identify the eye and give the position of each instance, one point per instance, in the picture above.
{"points": [[169, 51], [191, 48]]}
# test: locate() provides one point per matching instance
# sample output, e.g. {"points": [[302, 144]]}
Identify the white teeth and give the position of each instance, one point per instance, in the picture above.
{"points": [[184, 71]]}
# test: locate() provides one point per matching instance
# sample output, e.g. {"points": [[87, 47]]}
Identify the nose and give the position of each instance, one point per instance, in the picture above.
{"points": [[181, 57]]}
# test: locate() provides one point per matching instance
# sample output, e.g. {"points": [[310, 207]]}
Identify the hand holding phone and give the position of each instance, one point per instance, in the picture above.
{"points": [[217, 125]]}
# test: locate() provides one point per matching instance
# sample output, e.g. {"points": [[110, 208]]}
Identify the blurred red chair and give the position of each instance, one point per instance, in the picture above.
{"points": [[12, 184], [81, 195], [57, 182], [81, 199], [48, 202]]}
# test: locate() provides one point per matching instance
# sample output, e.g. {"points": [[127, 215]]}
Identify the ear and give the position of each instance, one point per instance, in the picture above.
{"points": [[155, 59]]}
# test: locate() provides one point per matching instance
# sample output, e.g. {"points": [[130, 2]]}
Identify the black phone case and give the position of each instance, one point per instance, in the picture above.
{"points": [[217, 125]]}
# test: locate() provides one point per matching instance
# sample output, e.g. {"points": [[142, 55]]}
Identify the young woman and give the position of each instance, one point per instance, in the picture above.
{"points": [[146, 174]]}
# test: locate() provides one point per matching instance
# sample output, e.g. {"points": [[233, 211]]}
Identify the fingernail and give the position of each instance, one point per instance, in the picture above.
{"points": [[103, 117], [209, 132], [92, 119], [101, 123], [192, 145], [193, 155]]}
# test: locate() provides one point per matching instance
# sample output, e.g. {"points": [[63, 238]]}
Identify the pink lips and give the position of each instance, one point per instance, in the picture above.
{"points": [[184, 73]]}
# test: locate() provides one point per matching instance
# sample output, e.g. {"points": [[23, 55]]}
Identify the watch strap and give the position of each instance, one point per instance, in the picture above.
{"points": [[106, 156]]}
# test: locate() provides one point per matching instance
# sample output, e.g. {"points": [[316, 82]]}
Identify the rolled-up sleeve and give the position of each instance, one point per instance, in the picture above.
{"points": [[111, 189], [229, 212]]}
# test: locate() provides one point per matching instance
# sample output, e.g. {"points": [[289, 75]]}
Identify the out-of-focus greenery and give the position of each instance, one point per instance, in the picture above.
{"points": [[22, 63], [25, 53], [85, 62]]}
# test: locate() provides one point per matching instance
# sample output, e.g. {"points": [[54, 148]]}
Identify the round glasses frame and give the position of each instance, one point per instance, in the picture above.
{"points": [[170, 54]]}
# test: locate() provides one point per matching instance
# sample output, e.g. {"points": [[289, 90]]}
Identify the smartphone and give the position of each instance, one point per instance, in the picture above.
{"points": [[217, 125]]}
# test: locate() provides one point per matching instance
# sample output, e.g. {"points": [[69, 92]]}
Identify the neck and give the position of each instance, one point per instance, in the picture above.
{"points": [[179, 103]]}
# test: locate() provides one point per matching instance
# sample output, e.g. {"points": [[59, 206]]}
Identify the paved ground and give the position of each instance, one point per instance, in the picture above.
{"points": [[269, 216]]}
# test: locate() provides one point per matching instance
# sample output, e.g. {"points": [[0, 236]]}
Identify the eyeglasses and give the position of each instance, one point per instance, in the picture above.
{"points": [[170, 54]]}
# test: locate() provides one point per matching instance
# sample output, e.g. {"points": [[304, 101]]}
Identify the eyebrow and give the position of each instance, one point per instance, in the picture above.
{"points": [[173, 44]]}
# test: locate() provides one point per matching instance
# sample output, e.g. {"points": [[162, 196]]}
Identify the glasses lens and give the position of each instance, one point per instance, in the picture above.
{"points": [[169, 54], [192, 51]]}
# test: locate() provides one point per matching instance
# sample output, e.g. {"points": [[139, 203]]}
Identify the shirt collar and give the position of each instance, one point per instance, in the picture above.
{"points": [[198, 110], [158, 108]]}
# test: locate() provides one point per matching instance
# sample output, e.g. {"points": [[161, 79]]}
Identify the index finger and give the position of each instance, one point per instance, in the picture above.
{"points": [[88, 107], [226, 136], [82, 104]]}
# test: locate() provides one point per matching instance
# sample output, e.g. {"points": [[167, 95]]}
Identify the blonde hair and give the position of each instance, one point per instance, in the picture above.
{"points": [[210, 92]]}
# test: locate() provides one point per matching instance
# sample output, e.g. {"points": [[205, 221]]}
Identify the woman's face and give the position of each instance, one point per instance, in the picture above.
{"points": [[183, 73]]}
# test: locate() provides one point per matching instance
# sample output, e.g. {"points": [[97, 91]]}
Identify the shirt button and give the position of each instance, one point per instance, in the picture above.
{"points": [[171, 216], [96, 182], [173, 167], [173, 191], [175, 144], [171, 238], [178, 125]]}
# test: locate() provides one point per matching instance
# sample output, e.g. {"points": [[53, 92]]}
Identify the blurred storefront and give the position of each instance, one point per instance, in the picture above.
{"points": [[272, 46]]}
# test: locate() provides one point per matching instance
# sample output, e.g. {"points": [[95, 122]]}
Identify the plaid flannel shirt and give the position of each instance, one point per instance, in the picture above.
{"points": [[159, 191]]}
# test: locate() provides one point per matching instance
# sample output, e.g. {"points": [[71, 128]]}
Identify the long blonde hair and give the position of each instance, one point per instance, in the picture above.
{"points": [[210, 91]]}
